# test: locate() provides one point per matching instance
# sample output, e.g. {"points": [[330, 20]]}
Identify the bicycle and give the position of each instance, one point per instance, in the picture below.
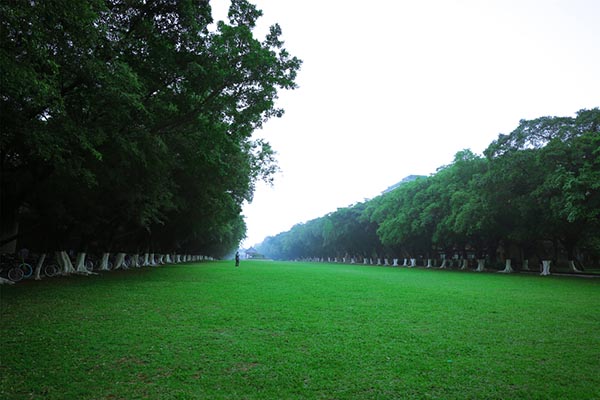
{"points": [[13, 271]]}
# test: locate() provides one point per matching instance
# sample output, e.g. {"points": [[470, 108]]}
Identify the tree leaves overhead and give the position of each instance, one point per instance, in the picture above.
{"points": [[138, 112]]}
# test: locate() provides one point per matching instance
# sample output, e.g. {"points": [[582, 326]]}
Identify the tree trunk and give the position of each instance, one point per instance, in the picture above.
{"points": [[525, 265], [480, 265], [507, 267], [413, 262], [444, 265], [80, 264], [104, 262], [429, 264], [546, 267], [38, 267], [395, 264], [572, 266], [464, 264], [65, 262], [119, 261]]}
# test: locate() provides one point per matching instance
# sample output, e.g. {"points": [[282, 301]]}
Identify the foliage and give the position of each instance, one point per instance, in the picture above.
{"points": [[131, 122], [536, 188], [342, 233]]}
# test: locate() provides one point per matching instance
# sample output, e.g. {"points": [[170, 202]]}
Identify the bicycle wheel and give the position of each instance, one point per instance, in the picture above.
{"points": [[50, 270], [89, 265], [27, 270], [15, 274]]}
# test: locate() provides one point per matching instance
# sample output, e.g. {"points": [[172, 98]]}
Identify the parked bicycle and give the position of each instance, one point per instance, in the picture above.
{"points": [[13, 269]]}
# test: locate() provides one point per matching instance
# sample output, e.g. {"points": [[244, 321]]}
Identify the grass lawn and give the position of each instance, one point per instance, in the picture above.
{"points": [[271, 330]]}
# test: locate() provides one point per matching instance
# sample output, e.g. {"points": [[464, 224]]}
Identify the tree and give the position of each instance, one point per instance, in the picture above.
{"points": [[129, 124], [560, 197]]}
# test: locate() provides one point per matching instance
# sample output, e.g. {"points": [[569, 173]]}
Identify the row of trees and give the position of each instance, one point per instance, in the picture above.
{"points": [[533, 195], [126, 126]]}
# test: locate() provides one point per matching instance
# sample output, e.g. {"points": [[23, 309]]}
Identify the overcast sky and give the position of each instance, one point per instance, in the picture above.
{"points": [[394, 88]]}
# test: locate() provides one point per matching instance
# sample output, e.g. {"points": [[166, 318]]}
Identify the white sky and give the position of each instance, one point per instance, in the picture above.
{"points": [[394, 88]]}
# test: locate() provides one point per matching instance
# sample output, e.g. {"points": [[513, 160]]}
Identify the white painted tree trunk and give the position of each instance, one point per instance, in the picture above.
{"points": [[104, 262], [38, 267], [386, 262], [80, 267], [405, 263], [507, 267], [480, 265], [413, 262], [365, 261], [168, 259], [573, 267], [525, 265], [546, 267], [119, 261], [395, 264], [352, 261], [4, 281], [429, 264], [444, 265], [464, 264], [65, 262], [135, 260], [145, 261], [379, 261]]}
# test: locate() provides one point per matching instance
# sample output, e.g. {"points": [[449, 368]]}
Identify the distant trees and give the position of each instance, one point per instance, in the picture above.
{"points": [[343, 233], [534, 195], [127, 125]]}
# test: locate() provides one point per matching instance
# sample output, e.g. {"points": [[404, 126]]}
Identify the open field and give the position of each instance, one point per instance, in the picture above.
{"points": [[272, 330]]}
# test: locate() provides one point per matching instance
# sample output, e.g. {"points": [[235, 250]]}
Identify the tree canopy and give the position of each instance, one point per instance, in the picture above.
{"points": [[533, 194], [129, 124]]}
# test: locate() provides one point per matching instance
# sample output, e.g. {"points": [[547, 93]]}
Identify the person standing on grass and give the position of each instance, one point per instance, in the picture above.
{"points": [[237, 258]]}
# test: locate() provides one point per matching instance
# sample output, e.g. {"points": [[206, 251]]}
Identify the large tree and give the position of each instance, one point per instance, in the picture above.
{"points": [[130, 123]]}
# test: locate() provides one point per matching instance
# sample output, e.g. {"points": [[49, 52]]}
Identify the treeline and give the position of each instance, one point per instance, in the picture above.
{"points": [[533, 196], [126, 126]]}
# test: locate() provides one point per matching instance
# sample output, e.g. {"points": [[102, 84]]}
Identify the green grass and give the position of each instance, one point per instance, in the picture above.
{"points": [[272, 330]]}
